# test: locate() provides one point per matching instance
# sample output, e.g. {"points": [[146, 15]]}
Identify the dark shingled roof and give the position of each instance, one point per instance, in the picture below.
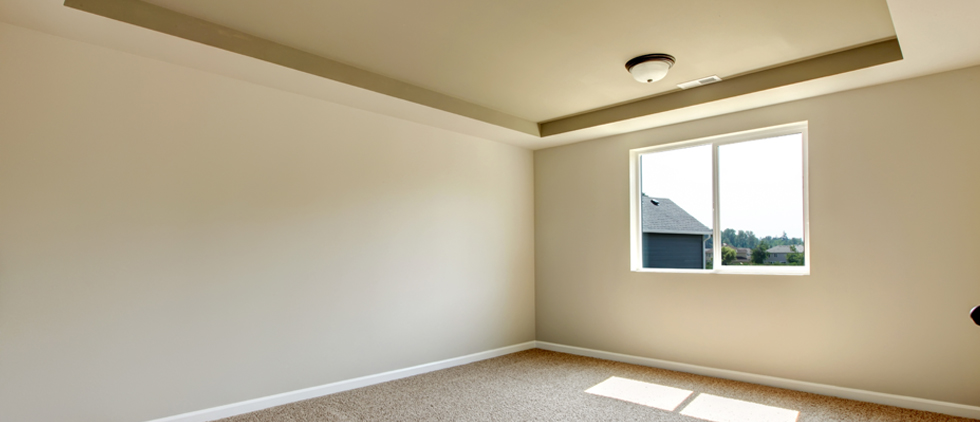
{"points": [[668, 218]]}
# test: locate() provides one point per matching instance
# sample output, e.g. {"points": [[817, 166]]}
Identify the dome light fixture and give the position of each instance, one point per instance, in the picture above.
{"points": [[650, 68]]}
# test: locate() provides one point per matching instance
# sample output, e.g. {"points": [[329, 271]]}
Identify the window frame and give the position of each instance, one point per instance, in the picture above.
{"points": [[636, 237]]}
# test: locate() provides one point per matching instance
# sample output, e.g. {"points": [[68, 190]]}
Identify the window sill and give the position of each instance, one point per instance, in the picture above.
{"points": [[748, 270]]}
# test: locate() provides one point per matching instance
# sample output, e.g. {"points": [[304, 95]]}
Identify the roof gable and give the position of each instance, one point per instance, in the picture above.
{"points": [[668, 217]]}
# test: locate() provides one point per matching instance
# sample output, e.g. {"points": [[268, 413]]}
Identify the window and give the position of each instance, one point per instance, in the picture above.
{"points": [[734, 203]]}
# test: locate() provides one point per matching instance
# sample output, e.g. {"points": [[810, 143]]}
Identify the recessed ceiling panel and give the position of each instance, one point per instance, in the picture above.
{"points": [[544, 59]]}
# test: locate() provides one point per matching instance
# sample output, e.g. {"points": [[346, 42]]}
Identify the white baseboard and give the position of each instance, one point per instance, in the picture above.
{"points": [[247, 406], [336, 387], [954, 409]]}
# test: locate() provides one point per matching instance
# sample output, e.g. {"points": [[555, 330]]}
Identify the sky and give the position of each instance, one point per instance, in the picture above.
{"points": [[761, 183]]}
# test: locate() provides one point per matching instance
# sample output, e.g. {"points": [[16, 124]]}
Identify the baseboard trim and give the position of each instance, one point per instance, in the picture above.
{"points": [[247, 406], [954, 409], [253, 405]]}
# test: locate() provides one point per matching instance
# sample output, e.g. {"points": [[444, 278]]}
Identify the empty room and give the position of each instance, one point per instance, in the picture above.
{"points": [[662, 210]]}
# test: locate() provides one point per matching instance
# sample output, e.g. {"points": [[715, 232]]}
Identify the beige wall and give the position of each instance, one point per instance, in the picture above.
{"points": [[172, 240], [894, 226]]}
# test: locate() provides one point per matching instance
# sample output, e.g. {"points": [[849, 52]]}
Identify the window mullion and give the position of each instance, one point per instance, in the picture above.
{"points": [[716, 229]]}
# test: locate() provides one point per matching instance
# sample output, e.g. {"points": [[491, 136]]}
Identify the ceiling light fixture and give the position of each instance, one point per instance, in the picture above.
{"points": [[650, 67]]}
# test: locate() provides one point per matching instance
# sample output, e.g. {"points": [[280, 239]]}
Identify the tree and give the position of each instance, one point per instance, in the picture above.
{"points": [[753, 241], [748, 239], [728, 236], [741, 239], [794, 258], [759, 253], [782, 240], [727, 255]]}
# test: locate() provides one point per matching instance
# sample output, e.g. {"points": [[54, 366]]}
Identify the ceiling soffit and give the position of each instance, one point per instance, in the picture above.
{"points": [[835, 63], [143, 14]]}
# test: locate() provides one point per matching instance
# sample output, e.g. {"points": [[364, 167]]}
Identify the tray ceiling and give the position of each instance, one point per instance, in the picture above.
{"points": [[542, 67]]}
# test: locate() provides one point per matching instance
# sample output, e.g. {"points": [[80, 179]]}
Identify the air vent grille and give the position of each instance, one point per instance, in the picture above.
{"points": [[699, 82]]}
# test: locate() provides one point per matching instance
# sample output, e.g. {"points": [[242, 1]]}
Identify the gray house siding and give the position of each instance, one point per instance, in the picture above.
{"points": [[776, 258], [672, 238], [663, 250], [777, 255]]}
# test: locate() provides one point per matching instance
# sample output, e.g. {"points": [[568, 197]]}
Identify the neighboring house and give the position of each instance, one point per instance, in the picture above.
{"points": [[672, 238], [742, 255], [777, 254]]}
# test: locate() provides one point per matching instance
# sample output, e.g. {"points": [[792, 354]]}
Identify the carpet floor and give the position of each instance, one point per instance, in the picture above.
{"points": [[539, 385]]}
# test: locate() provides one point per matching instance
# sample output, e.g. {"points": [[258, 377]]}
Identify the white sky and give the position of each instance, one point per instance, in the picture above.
{"points": [[761, 183]]}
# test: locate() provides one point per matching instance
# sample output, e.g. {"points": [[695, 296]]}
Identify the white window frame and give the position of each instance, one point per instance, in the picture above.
{"points": [[636, 238]]}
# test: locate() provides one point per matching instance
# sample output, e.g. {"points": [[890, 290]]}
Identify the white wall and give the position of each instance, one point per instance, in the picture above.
{"points": [[894, 226], [172, 240]]}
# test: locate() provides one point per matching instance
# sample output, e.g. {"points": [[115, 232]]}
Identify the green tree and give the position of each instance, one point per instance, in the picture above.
{"points": [[759, 253], [741, 240], [748, 239], [727, 255], [783, 240], [728, 236], [794, 258]]}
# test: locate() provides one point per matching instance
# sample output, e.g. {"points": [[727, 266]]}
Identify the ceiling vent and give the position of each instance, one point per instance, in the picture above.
{"points": [[699, 82]]}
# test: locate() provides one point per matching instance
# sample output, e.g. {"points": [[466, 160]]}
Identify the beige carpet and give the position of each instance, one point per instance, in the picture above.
{"points": [[538, 385]]}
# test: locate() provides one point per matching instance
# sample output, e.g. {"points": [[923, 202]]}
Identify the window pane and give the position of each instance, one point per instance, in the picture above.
{"points": [[761, 200], [676, 207]]}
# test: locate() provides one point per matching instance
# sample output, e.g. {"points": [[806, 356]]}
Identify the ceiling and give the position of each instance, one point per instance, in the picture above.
{"points": [[544, 59], [538, 62]]}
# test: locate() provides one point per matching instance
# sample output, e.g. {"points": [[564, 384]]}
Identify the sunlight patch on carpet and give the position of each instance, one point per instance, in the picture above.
{"points": [[720, 409], [639, 392]]}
